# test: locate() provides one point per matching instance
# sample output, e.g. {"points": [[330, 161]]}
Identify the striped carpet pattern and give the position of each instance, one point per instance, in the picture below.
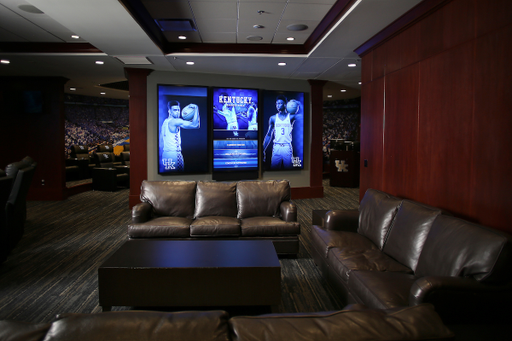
{"points": [[54, 267]]}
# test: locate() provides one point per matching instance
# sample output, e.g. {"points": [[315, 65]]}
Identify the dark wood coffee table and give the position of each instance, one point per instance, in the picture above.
{"points": [[191, 273]]}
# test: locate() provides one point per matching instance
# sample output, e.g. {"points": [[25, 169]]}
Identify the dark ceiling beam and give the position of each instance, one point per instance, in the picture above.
{"points": [[22, 47]]}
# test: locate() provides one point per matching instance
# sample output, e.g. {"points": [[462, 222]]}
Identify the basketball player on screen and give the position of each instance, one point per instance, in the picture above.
{"points": [[281, 125], [172, 159]]}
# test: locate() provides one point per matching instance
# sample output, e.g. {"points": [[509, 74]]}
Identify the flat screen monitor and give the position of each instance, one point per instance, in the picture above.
{"points": [[235, 133], [182, 129], [283, 130]]}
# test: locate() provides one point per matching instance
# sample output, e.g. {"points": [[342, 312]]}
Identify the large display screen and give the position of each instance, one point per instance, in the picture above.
{"points": [[182, 129], [283, 129], [235, 130]]}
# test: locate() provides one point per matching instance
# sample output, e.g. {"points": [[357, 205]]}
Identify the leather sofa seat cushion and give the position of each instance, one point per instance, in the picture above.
{"points": [[11, 330], [376, 212], [170, 198], [215, 199], [348, 259], [419, 322], [456, 247], [409, 232], [268, 226], [161, 227], [325, 240], [261, 198], [381, 290], [215, 227], [135, 325]]}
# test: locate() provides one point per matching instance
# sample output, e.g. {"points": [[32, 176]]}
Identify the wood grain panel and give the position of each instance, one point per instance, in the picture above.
{"points": [[379, 62], [409, 45], [431, 35], [137, 79], [372, 110], [316, 170], [458, 22], [491, 199], [401, 132], [492, 15], [366, 68], [445, 121]]}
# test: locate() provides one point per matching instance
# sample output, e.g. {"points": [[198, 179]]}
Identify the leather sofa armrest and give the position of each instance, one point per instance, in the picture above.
{"points": [[288, 211], [461, 299], [342, 220], [141, 212]]}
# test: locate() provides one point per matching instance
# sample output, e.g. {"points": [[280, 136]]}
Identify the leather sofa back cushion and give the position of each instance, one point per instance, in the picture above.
{"points": [[170, 198], [140, 325], [376, 213], [456, 247], [215, 199], [419, 322], [261, 198], [409, 232]]}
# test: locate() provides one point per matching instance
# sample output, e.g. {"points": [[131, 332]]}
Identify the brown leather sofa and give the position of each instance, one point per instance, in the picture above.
{"points": [[354, 323], [221, 210], [395, 252]]}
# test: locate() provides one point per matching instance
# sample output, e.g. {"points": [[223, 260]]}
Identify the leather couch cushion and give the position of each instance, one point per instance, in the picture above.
{"points": [[268, 226], [215, 227], [22, 331], [161, 227], [261, 198], [409, 232], [419, 322], [456, 247], [140, 325], [170, 198], [348, 259], [376, 212], [216, 199], [381, 290]]}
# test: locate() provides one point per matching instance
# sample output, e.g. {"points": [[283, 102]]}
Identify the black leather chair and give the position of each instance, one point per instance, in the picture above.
{"points": [[109, 175], [5, 190], [125, 156], [22, 173], [81, 160]]}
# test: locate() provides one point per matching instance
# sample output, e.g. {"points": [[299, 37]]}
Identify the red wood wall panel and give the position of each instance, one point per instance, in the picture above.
{"points": [[459, 54], [401, 132], [491, 183], [445, 129], [372, 107]]}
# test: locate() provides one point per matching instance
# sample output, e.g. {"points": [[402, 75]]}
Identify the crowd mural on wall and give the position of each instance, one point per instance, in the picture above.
{"points": [[342, 120], [93, 121]]}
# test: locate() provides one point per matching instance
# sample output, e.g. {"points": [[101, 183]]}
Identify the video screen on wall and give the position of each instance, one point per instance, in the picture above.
{"points": [[235, 130], [283, 130], [182, 129]]}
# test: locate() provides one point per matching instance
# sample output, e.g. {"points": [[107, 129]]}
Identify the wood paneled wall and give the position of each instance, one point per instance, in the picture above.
{"points": [[436, 122]]}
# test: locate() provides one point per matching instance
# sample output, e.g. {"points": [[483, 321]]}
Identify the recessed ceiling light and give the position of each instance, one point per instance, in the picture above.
{"points": [[182, 37], [290, 38], [254, 38], [100, 62], [190, 63], [281, 64], [352, 65], [360, 83], [258, 26], [74, 36], [297, 27], [72, 89], [103, 93], [5, 61], [329, 96], [343, 90]]}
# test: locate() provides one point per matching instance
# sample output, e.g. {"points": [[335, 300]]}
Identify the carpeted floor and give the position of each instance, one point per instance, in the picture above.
{"points": [[54, 267]]}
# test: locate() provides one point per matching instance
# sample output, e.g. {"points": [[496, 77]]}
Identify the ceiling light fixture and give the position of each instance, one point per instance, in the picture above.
{"points": [[254, 38], [103, 93], [258, 26], [5, 61], [281, 64], [352, 65], [74, 36], [329, 96], [190, 63], [343, 90], [360, 83], [182, 37], [290, 38], [72, 89], [100, 62], [297, 27]]}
